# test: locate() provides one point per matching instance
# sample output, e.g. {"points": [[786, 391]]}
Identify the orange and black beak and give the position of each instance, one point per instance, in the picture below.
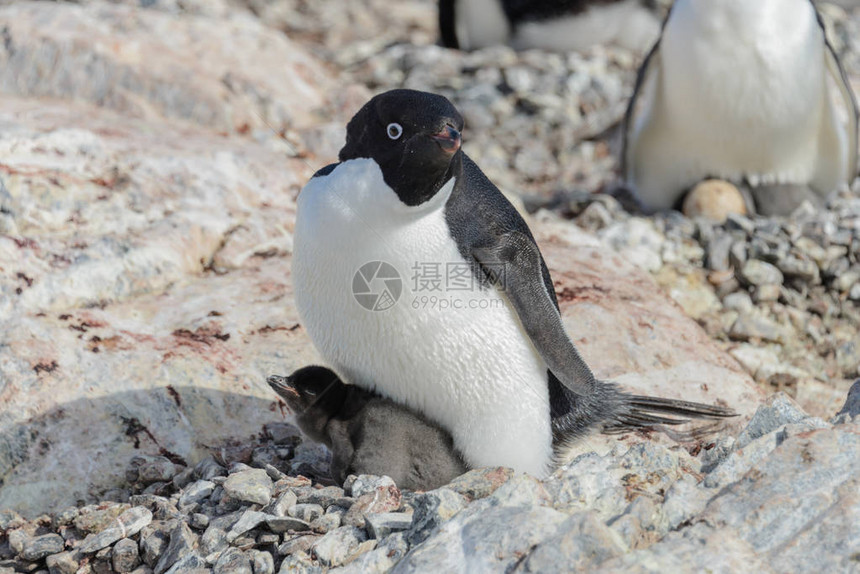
{"points": [[448, 139]]}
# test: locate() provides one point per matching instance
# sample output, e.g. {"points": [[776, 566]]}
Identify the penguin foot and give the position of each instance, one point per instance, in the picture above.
{"points": [[782, 199]]}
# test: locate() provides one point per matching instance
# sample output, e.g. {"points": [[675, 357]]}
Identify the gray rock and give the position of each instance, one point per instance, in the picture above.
{"points": [[125, 555], [62, 563], [295, 544], [777, 411], [213, 540], [154, 469], [189, 564], [520, 490], [480, 482], [252, 485], [161, 508], [306, 512], [756, 326], [127, 524], [18, 538], [286, 523], [736, 221], [335, 547], [153, 545], [198, 521], [739, 301], [196, 492], [324, 497], [580, 543], [799, 266], [299, 564], [327, 522], [279, 507], [379, 560], [181, 544], [431, 509], [262, 562], [366, 483], [381, 525], [208, 468], [233, 561], [483, 539], [41, 546], [283, 433], [684, 500], [250, 519], [9, 519], [718, 252], [756, 272]]}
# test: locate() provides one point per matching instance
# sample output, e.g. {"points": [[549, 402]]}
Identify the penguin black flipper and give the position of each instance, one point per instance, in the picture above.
{"points": [[840, 78], [490, 232]]}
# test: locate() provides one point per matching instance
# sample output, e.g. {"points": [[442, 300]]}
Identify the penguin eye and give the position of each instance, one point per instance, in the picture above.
{"points": [[394, 131]]}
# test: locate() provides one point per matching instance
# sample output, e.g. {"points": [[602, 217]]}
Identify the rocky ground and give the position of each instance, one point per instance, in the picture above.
{"points": [[724, 506], [150, 162]]}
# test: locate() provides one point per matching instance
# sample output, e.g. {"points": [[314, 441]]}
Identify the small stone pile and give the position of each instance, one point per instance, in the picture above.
{"points": [[710, 504], [782, 294]]}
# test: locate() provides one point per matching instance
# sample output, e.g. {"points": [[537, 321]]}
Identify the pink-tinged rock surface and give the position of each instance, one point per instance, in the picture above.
{"points": [[228, 74], [144, 294]]}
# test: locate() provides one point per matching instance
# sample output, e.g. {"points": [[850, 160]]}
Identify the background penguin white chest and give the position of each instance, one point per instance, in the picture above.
{"points": [[741, 92], [463, 360]]}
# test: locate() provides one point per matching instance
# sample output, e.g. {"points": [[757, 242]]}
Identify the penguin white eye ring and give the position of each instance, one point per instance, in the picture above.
{"points": [[394, 130]]}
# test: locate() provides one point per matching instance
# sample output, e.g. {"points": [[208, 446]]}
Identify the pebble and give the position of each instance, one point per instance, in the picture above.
{"points": [[252, 485], [366, 483], [382, 524], [181, 543], [125, 555], [196, 492], [335, 547], [36, 548], [127, 524], [306, 512], [757, 273], [62, 563], [233, 561], [431, 509]]}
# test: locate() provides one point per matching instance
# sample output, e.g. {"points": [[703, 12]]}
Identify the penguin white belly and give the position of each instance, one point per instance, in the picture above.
{"points": [[466, 364], [741, 94]]}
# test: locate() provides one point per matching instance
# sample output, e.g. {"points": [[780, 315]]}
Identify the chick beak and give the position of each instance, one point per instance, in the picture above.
{"points": [[448, 139], [282, 386]]}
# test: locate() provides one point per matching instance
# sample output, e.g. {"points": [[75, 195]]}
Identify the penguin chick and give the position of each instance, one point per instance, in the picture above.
{"points": [[555, 25], [368, 434], [744, 91]]}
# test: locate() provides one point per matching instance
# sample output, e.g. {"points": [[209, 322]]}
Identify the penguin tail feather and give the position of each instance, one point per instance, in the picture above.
{"points": [[653, 413]]}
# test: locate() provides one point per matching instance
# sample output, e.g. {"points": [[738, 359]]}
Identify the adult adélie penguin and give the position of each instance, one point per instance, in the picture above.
{"points": [[746, 91], [491, 363]]}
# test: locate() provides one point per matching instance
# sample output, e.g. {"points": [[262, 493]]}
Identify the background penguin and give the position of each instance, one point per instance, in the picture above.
{"points": [[741, 91], [493, 365], [368, 434], [558, 25]]}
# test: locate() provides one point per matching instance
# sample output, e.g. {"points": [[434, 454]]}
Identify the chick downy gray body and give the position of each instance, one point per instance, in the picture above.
{"points": [[368, 434]]}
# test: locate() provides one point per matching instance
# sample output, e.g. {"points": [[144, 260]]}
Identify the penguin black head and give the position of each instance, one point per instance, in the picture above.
{"points": [[315, 394], [413, 136]]}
